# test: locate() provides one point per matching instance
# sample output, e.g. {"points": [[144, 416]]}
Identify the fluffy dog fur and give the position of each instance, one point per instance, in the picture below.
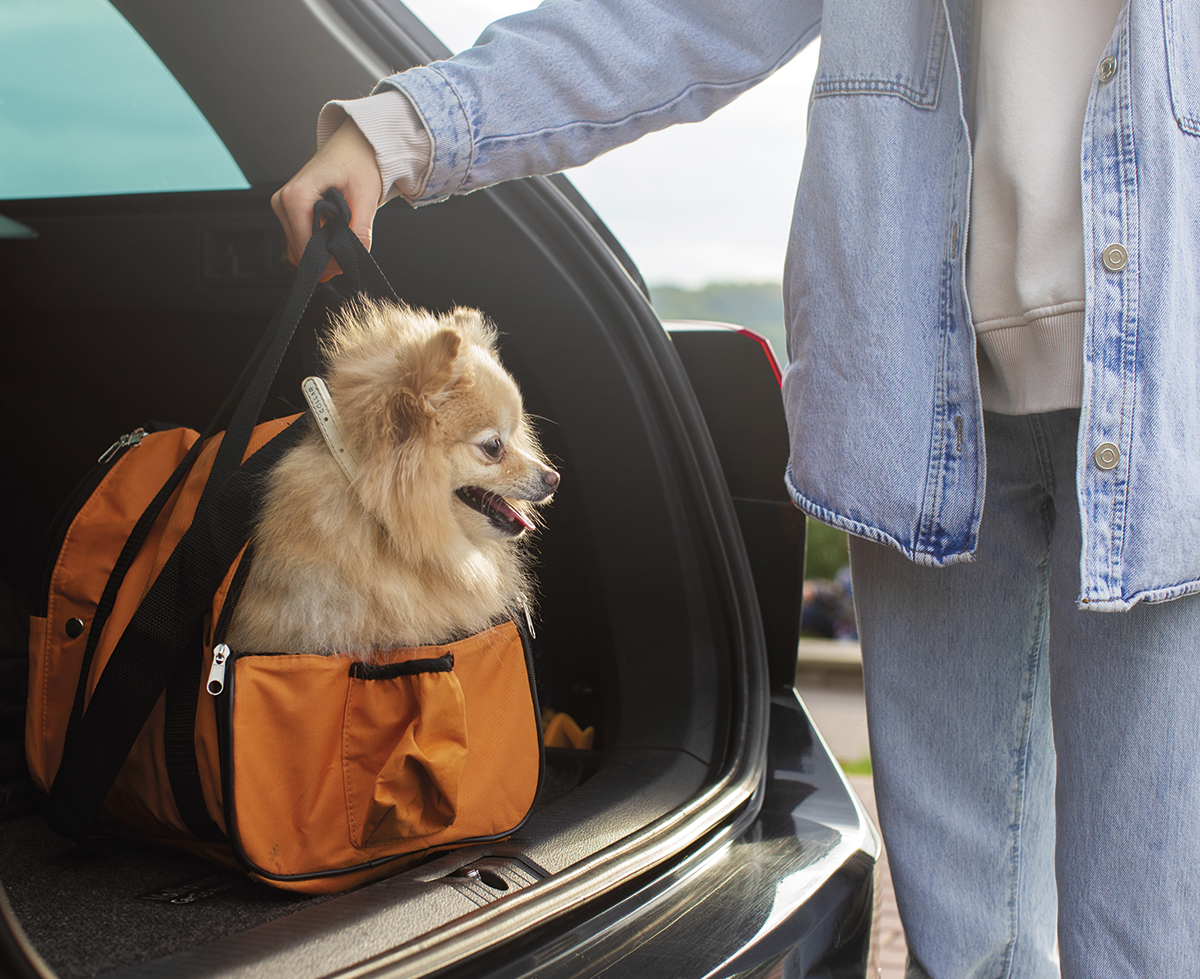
{"points": [[423, 547]]}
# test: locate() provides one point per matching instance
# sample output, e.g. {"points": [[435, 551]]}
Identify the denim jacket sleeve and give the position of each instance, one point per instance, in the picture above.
{"points": [[554, 87]]}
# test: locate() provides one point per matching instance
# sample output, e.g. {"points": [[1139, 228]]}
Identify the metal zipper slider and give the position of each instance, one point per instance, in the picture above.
{"points": [[216, 676], [133, 438]]}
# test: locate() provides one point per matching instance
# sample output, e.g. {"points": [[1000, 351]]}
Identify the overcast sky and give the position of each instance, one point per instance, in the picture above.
{"points": [[683, 201]]}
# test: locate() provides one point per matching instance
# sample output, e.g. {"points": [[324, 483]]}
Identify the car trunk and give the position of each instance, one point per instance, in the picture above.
{"points": [[137, 308], [128, 309]]}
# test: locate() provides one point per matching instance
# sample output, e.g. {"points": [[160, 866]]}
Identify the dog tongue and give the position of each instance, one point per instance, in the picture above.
{"points": [[498, 503]]}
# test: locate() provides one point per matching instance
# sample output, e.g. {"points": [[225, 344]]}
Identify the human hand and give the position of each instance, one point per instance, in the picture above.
{"points": [[346, 163]]}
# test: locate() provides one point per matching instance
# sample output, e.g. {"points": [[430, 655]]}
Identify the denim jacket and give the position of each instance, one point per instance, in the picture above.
{"points": [[882, 391]]}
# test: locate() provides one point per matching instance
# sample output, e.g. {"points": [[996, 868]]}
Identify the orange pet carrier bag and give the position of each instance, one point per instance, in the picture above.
{"points": [[313, 773]]}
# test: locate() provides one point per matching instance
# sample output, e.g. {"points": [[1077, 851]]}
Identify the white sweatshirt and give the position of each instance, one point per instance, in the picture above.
{"points": [[1034, 67]]}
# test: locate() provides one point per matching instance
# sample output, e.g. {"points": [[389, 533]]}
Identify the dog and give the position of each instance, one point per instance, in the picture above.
{"points": [[422, 545]]}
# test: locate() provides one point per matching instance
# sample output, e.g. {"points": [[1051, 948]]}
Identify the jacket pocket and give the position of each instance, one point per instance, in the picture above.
{"points": [[404, 744], [883, 47], [1181, 26]]}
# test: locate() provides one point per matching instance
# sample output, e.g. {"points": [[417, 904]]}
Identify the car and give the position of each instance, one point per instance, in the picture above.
{"points": [[709, 831]]}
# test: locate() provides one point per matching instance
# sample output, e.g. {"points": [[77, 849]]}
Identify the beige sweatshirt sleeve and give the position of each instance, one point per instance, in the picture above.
{"points": [[403, 146]]}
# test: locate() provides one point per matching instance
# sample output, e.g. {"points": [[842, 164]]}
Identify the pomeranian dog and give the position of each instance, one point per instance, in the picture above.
{"points": [[417, 541]]}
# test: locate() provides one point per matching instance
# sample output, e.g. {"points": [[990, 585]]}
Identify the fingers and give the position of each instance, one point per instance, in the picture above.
{"points": [[287, 202], [346, 162]]}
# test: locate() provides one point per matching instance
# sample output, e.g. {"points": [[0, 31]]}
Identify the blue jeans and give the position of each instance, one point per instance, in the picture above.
{"points": [[978, 677]]}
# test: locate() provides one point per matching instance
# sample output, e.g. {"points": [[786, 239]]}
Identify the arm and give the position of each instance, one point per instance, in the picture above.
{"points": [[546, 90], [557, 86]]}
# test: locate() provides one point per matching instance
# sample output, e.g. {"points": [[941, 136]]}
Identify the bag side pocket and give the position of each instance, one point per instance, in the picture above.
{"points": [[404, 745]]}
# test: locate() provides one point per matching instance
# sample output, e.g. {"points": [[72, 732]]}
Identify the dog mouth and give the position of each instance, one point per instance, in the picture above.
{"points": [[500, 513]]}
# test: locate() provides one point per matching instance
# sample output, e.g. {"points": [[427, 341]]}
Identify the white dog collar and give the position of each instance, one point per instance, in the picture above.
{"points": [[324, 414]]}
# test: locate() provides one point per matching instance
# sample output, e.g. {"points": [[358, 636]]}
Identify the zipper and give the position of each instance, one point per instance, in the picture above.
{"points": [[221, 651], [222, 694], [131, 440], [216, 675], [56, 533], [221, 707]]}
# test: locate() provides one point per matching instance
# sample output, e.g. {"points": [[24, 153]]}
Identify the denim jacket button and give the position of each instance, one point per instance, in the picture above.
{"points": [[1114, 257], [1107, 455], [1108, 68]]}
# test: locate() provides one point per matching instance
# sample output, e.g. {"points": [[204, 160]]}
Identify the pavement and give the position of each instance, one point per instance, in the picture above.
{"points": [[829, 680]]}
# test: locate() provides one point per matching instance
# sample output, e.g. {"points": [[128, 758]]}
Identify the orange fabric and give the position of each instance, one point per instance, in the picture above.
{"points": [[329, 772], [562, 731], [174, 521], [404, 742], [89, 551]]}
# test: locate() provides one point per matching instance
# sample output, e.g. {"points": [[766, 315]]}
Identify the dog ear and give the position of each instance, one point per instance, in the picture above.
{"points": [[472, 324], [431, 373]]}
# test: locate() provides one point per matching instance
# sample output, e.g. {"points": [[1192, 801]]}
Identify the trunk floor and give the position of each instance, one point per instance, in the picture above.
{"points": [[87, 913]]}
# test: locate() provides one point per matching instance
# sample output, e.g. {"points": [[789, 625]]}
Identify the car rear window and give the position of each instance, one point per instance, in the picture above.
{"points": [[87, 108]]}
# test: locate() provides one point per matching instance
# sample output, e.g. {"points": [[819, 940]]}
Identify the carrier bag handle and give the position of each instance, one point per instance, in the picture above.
{"points": [[160, 633], [362, 275], [333, 206], [304, 285], [248, 393]]}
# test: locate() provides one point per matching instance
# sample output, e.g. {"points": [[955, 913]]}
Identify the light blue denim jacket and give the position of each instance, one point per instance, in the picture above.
{"points": [[882, 394]]}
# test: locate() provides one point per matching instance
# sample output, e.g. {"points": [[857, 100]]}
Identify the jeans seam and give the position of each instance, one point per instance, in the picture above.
{"points": [[1023, 766], [1042, 445]]}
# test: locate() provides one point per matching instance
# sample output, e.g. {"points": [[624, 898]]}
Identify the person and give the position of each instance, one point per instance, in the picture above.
{"points": [[1030, 667]]}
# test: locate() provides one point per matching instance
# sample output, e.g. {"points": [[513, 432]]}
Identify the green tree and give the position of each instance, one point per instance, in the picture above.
{"points": [[758, 306]]}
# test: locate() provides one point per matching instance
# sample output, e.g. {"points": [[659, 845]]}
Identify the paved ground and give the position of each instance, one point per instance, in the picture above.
{"points": [[830, 683]]}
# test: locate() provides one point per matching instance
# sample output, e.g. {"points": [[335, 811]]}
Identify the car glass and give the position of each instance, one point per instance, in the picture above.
{"points": [[86, 108], [457, 23]]}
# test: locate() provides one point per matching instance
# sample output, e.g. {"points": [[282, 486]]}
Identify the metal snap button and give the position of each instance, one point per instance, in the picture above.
{"points": [[1114, 257], [1108, 68], [74, 628], [1107, 455]]}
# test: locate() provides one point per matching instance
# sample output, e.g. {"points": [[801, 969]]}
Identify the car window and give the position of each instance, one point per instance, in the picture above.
{"points": [[86, 107]]}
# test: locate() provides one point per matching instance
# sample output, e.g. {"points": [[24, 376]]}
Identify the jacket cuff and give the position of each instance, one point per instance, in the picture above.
{"points": [[440, 108], [403, 147]]}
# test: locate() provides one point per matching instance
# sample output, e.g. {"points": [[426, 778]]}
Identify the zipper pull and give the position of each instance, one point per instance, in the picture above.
{"points": [[133, 438], [216, 676]]}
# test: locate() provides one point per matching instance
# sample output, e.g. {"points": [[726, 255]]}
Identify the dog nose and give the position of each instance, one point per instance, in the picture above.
{"points": [[550, 478]]}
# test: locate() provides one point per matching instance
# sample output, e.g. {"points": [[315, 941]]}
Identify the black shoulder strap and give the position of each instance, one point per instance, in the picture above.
{"points": [[160, 633]]}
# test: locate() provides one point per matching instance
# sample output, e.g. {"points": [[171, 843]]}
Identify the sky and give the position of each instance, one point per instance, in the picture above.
{"points": [[682, 201]]}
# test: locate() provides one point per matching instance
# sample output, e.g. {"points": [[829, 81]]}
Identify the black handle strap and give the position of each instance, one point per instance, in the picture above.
{"points": [[335, 239], [161, 632]]}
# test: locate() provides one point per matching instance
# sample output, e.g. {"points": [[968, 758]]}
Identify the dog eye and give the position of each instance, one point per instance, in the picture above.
{"points": [[492, 448]]}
